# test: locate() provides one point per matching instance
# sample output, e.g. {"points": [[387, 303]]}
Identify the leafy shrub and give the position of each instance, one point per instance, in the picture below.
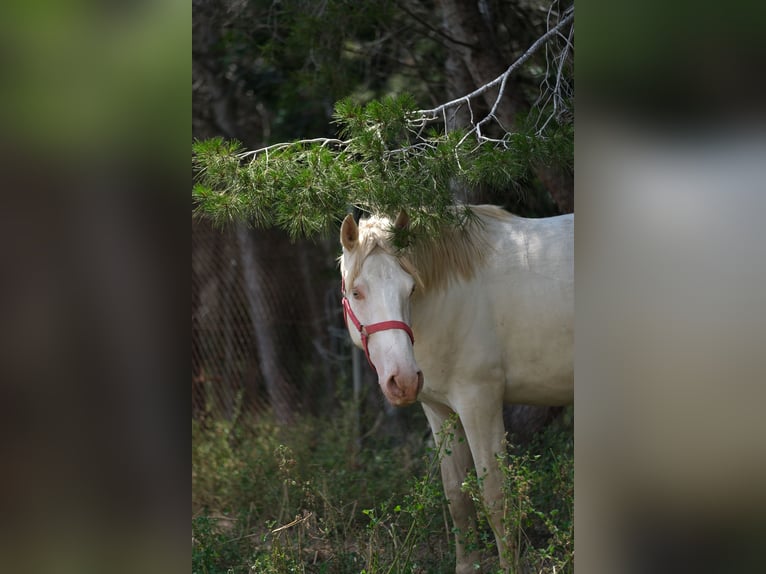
{"points": [[307, 499]]}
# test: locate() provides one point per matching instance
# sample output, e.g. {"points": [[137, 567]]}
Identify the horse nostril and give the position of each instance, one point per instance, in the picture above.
{"points": [[393, 386], [401, 388]]}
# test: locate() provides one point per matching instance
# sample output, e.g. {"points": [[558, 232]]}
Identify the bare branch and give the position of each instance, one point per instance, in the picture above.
{"points": [[297, 143], [556, 95], [418, 120], [501, 79]]}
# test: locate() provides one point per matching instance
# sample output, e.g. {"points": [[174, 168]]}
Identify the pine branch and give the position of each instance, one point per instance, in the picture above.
{"points": [[419, 118], [388, 155], [298, 143]]}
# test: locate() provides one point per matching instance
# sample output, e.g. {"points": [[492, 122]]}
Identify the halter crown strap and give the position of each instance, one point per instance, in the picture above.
{"points": [[366, 330]]}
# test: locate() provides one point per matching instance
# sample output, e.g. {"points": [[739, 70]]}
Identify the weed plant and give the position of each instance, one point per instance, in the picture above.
{"points": [[306, 499]]}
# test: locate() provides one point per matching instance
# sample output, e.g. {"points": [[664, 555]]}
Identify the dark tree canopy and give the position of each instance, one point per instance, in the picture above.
{"points": [[367, 87]]}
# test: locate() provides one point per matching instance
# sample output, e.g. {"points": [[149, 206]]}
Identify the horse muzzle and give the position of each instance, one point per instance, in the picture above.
{"points": [[402, 390]]}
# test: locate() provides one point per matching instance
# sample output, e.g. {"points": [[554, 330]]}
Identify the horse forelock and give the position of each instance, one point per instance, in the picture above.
{"points": [[373, 236], [455, 253]]}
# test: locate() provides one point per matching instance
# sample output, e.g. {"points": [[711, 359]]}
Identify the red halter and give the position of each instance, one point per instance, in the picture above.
{"points": [[366, 330]]}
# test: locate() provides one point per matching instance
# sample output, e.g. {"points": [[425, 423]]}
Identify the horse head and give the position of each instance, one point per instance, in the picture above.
{"points": [[376, 302]]}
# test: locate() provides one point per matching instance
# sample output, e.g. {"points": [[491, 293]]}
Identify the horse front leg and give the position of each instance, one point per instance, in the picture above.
{"points": [[455, 461], [485, 432]]}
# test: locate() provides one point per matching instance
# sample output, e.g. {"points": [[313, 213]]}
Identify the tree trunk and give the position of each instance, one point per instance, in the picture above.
{"points": [[262, 316], [483, 61]]}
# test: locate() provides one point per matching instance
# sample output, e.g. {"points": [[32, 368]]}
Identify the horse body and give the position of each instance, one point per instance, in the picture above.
{"points": [[512, 324], [492, 316]]}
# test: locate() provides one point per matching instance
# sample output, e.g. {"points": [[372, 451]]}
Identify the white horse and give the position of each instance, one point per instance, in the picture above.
{"points": [[464, 322]]}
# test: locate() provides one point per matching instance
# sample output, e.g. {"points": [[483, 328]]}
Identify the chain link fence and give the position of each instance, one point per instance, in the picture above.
{"points": [[267, 327], [268, 335]]}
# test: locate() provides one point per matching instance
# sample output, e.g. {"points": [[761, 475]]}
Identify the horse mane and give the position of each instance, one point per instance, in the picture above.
{"points": [[456, 252]]}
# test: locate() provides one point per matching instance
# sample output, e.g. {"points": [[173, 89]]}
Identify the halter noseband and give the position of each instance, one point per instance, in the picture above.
{"points": [[366, 330]]}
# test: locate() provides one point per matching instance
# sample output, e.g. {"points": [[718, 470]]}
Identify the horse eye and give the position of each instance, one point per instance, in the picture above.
{"points": [[355, 294], [413, 289]]}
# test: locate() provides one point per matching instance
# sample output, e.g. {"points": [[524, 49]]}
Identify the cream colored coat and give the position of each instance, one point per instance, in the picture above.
{"points": [[492, 313]]}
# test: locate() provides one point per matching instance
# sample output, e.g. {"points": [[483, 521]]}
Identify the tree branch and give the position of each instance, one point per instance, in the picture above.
{"points": [[419, 119], [432, 114], [283, 145]]}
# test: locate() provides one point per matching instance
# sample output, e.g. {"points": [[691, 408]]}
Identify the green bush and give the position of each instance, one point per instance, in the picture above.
{"points": [[307, 499]]}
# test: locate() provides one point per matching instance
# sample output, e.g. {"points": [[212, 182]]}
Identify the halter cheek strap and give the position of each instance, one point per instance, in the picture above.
{"points": [[366, 330]]}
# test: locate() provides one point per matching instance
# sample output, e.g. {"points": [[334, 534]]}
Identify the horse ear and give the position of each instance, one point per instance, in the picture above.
{"points": [[402, 220], [349, 233], [401, 227]]}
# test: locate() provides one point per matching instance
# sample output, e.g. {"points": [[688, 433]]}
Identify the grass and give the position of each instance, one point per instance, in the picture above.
{"points": [[306, 499]]}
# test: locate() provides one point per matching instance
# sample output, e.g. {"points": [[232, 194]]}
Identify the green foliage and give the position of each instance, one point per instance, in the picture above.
{"points": [[214, 550], [304, 499], [402, 527], [538, 488], [282, 64], [296, 56], [387, 161], [277, 499]]}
